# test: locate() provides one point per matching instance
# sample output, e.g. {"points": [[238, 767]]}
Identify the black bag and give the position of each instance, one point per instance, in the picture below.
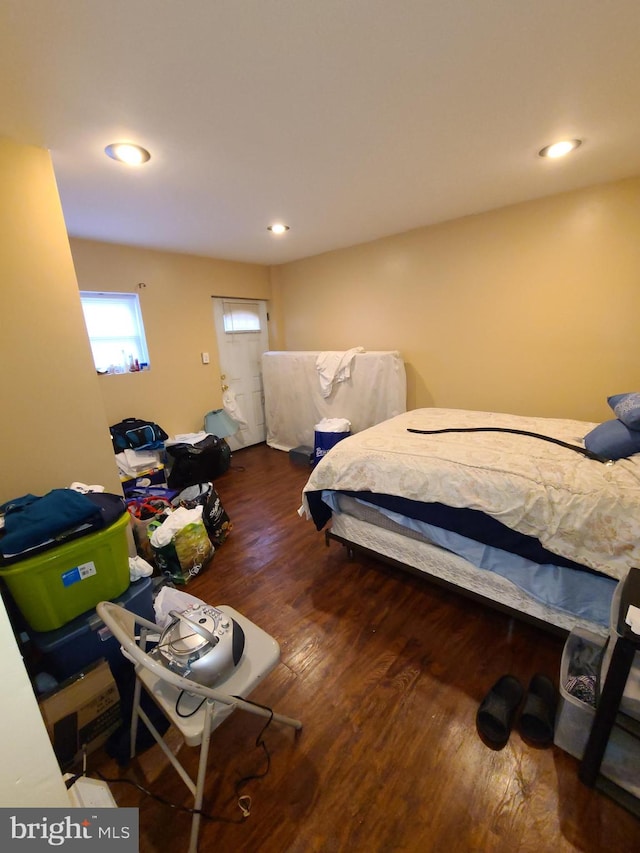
{"points": [[216, 521], [198, 463], [136, 434]]}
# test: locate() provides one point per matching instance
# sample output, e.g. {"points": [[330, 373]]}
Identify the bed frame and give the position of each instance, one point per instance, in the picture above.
{"points": [[448, 570]]}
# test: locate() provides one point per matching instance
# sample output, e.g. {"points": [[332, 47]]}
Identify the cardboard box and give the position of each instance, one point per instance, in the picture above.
{"points": [[82, 713]]}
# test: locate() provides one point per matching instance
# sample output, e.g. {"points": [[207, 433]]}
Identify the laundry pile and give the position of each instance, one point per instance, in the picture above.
{"points": [[31, 523], [177, 517]]}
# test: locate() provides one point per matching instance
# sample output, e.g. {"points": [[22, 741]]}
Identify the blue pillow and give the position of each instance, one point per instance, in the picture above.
{"points": [[613, 439], [626, 408]]}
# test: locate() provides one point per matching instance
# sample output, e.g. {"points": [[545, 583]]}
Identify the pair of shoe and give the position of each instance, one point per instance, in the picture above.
{"points": [[497, 711]]}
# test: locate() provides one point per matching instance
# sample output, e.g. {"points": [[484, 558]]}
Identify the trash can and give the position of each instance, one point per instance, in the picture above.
{"points": [[328, 432]]}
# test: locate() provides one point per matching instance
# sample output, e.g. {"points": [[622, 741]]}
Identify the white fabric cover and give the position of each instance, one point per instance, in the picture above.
{"points": [[576, 507], [375, 390], [334, 367]]}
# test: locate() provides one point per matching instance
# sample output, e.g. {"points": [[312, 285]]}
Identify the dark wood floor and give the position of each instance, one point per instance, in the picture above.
{"points": [[386, 672]]}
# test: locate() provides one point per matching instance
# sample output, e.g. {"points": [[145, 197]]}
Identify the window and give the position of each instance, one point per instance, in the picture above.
{"points": [[116, 332], [240, 316]]}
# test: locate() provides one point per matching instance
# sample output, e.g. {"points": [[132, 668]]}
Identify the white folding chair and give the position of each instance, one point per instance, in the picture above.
{"points": [[261, 655]]}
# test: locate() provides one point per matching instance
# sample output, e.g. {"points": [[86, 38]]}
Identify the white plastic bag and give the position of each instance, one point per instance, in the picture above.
{"points": [[333, 425], [169, 599], [178, 519]]}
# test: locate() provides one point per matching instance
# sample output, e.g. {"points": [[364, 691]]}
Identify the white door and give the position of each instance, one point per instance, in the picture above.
{"points": [[241, 330]]}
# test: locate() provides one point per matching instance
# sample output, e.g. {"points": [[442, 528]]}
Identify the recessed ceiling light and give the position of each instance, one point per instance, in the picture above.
{"points": [[126, 152], [559, 149], [277, 228]]}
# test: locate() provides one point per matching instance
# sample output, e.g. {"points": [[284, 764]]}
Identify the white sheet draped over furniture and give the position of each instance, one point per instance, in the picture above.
{"points": [[375, 390]]}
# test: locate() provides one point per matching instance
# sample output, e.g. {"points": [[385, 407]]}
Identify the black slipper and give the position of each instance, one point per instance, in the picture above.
{"points": [[538, 716], [498, 708]]}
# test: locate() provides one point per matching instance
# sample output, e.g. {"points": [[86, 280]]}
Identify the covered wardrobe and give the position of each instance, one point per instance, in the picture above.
{"points": [[301, 388]]}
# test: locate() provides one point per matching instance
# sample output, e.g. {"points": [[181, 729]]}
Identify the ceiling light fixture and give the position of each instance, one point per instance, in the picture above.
{"points": [[277, 228], [559, 149], [126, 152]]}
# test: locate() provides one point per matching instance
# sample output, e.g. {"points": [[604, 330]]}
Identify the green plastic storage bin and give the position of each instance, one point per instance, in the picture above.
{"points": [[52, 588]]}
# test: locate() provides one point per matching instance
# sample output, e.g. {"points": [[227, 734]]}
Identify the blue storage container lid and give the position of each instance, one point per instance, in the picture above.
{"points": [[137, 598]]}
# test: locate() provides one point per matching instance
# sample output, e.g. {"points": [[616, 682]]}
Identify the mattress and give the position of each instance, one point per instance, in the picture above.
{"points": [[564, 590], [575, 507], [294, 398], [454, 570], [517, 518]]}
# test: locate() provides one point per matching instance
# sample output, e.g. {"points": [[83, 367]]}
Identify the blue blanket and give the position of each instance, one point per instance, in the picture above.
{"points": [[31, 520]]}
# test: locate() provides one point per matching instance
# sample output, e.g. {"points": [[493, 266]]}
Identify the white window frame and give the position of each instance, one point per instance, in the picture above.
{"points": [[241, 316], [115, 349]]}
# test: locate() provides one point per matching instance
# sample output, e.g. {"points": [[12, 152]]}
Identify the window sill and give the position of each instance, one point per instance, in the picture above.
{"points": [[121, 372]]}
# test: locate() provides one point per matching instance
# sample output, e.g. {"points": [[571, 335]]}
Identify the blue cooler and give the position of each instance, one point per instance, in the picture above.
{"points": [[86, 639], [328, 432]]}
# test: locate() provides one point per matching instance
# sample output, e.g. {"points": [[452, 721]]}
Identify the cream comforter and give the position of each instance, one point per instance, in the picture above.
{"points": [[576, 507]]}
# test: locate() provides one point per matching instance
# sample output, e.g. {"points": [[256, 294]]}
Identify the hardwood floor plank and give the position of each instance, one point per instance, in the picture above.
{"points": [[386, 672]]}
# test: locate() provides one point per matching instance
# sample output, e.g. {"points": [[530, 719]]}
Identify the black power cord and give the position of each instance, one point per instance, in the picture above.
{"points": [[165, 802], [582, 450], [246, 805], [244, 801], [191, 713]]}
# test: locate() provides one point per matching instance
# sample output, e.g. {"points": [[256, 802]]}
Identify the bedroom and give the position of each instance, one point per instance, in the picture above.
{"points": [[528, 308]]}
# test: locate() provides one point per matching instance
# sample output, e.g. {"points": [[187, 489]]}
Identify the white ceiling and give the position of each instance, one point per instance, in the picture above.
{"points": [[347, 119]]}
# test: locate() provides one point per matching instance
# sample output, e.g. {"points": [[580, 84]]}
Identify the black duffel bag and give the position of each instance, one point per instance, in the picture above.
{"points": [[202, 462], [136, 434]]}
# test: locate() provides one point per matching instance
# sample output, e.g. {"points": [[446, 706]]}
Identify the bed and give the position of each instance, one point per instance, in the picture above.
{"points": [[528, 525]]}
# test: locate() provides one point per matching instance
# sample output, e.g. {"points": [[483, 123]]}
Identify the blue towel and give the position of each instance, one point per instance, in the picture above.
{"points": [[30, 521]]}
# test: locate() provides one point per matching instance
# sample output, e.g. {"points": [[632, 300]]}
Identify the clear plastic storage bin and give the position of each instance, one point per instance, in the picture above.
{"points": [[621, 762]]}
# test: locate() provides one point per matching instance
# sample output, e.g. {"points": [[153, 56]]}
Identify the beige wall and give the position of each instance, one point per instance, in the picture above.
{"points": [[178, 317], [53, 423], [530, 309]]}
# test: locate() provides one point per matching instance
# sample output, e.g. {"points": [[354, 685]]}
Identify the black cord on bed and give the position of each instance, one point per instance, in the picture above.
{"points": [[583, 450]]}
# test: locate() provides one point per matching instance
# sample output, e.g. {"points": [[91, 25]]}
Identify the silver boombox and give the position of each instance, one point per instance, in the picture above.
{"points": [[201, 643]]}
